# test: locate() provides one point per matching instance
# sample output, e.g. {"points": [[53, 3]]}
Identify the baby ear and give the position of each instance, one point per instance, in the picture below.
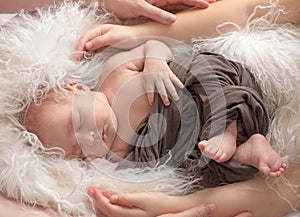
{"points": [[73, 87]]}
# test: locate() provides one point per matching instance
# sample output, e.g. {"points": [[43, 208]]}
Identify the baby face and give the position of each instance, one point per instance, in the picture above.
{"points": [[94, 123], [82, 124]]}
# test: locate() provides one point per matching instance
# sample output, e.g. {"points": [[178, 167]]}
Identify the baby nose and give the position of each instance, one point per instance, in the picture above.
{"points": [[91, 145], [92, 137], [88, 139], [92, 134]]}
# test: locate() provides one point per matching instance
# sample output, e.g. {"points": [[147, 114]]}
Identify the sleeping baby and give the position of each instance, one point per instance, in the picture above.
{"points": [[197, 111]]}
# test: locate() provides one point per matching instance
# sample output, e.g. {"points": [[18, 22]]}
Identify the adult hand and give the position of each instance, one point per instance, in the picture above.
{"points": [[146, 204], [157, 10], [105, 35]]}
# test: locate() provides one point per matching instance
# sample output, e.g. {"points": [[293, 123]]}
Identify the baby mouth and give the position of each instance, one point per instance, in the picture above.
{"points": [[103, 135]]}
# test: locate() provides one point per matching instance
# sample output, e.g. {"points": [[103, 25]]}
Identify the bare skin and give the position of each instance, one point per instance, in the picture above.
{"points": [[189, 23], [158, 10], [269, 163], [254, 196], [126, 81], [223, 147], [259, 199]]}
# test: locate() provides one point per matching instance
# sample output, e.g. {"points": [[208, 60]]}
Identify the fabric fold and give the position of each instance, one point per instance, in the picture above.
{"points": [[217, 91]]}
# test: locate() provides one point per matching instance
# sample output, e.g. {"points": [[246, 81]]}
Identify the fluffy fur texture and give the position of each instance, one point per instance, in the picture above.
{"points": [[36, 56]]}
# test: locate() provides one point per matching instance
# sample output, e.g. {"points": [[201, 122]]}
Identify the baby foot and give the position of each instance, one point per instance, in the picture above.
{"points": [[216, 149], [258, 152]]}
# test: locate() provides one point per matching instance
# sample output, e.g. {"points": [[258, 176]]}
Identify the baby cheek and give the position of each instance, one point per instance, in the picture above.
{"points": [[59, 146]]}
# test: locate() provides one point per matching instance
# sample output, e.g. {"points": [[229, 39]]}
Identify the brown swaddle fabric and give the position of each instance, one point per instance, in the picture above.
{"points": [[169, 134]]}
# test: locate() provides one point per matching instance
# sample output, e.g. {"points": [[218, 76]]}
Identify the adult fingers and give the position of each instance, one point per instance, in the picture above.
{"points": [[85, 38], [104, 204], [180, 3], [203, 210], [94, 39], [176, 7], [128, 200], [99, 42], [244, 214], [194, 3], [211, 1], [101, 201], [157, 14]]}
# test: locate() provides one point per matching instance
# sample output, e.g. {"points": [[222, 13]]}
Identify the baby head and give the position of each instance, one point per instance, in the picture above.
{"points": [[79, 121]]}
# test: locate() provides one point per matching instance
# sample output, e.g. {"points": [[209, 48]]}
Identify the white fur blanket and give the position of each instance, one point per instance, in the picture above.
{"points": [[35, 57]]}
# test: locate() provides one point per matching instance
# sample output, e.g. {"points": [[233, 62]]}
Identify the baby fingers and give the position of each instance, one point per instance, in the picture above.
{"points": [[161, 89], [171, 89]]}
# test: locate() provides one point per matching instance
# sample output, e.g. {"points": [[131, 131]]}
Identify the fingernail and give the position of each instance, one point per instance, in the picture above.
{"points": [[88, 45], [171, 18], [114, 198], [211, 208], [91, 191]]}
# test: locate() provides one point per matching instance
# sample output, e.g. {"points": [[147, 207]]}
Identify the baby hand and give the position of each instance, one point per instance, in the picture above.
{"points": [[157, 74]]}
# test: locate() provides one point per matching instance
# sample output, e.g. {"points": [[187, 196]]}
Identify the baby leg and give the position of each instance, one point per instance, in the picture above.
{"points": [[258, 152], [222, 147]]}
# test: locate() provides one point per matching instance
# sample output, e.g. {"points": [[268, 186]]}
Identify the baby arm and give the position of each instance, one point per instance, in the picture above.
{"points": [[156, 72]]}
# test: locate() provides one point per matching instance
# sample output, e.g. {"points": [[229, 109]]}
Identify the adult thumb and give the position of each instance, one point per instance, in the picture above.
{"points": [[158, 14], [125, 199]]}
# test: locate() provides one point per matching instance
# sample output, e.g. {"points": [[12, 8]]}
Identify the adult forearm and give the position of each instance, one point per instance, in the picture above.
{"points": [[202, 23], [253, 195], [196, 22]]}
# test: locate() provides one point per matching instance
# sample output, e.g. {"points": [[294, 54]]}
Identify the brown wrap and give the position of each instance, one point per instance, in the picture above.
{"points": [[169, 135]]}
